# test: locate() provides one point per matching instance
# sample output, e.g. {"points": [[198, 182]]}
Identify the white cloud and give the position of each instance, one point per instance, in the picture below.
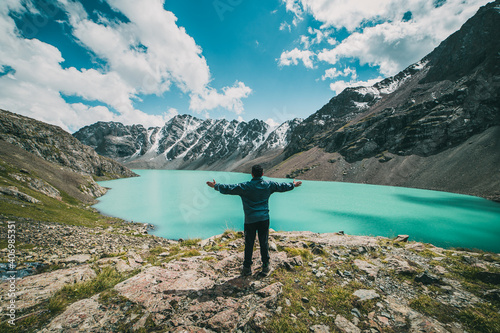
{"points": [[294, 7], [332, 73], [339, 86], [391, 46], [292, 57], [145, 55], [285, 26], [272, 123], [379, 37], [316, 37], [229, 99]]}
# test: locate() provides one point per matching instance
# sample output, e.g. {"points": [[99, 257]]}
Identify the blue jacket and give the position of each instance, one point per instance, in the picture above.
{"points": [[255, 196]]}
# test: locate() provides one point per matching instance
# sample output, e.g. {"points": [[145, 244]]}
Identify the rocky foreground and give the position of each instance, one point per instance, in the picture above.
{"points": [[120, 279]]}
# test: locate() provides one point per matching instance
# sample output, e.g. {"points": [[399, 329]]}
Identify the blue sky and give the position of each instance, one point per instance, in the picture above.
{"points": [[72, 63]]}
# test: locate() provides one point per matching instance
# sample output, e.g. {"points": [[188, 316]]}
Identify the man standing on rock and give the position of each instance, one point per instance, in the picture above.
{"points": [[255, 197]]}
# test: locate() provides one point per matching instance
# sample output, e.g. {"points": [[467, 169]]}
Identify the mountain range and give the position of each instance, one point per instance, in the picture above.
{"points": [[434, 125], [187, 142]]}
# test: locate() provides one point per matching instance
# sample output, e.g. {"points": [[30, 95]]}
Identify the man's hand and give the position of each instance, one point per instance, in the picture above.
{"points": [[297, 184], [211, 184]]}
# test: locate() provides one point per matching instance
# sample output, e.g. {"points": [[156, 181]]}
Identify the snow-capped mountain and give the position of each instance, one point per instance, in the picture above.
{"points": [[187, 142]]}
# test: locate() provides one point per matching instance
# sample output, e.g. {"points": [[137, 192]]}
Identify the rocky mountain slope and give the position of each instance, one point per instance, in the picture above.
{"points": [[119, 279], [187, 142], [22, 172], [425, 113], [437, 103], [55, 145]]}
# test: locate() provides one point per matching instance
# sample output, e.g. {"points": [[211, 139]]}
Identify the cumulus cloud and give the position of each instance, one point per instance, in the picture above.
{"points": [[388, 34], [146, 54], [294, 7], [316, 36], [292, 57], [230, 98], [272, 123], [285, 26], [332, 73]]}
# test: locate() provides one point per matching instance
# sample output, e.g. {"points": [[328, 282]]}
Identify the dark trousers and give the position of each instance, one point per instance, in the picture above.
{"points": [[251, 229]]}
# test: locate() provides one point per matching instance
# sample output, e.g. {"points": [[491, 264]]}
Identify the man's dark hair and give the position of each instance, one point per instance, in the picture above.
{"points": [[257, 170]]}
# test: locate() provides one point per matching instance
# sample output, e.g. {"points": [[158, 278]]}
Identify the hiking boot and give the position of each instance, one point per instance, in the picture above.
{"points": [[266, 269], [246, 271]]}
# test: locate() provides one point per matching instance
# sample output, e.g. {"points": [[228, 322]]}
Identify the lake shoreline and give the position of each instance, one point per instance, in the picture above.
{"points": [[180, 205], [201, 277]]}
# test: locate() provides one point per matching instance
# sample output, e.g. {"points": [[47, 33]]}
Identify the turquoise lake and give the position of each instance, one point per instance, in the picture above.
{"points": [[181, 205]]}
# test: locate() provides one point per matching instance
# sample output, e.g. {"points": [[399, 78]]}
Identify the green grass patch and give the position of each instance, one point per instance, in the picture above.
{"points": [[106, 278], [326, 297], [481, 317], [293, 252], [427, 254], [191, 253], [67, 211], [33, 319], [468, 274], [190, 242], [433, 308], [157, 250]]}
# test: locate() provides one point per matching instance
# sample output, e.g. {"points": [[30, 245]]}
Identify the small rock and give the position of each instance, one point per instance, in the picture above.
{"points": [[78, 259], [271, 290], [345, 325], [295, 261], [427, 278], [319, 329], [356, 312], [366, 294], [273, 247], [305, 300], [402, 238], [384, 320], [493, 294], [365, 266]]}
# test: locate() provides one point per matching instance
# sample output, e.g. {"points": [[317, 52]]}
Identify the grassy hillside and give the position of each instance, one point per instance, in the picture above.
{"points": [[24, 173]]}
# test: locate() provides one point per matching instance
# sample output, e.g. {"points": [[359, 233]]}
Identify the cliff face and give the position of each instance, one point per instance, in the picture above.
{"points": [[53, 144], [437, 103], [187, 142], [435, 125]]}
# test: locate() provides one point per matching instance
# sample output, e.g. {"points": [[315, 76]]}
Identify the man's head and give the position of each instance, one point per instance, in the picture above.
{"points": [[257, 171]]}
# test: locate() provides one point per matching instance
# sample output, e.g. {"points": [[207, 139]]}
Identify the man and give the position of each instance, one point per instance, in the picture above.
{"points": [[255, 197]]}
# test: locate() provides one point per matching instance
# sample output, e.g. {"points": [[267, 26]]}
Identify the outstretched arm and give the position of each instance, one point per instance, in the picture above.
{"points": [[284, 187], [211, 184]]}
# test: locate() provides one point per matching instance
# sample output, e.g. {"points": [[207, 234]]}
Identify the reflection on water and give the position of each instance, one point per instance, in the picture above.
{"points": [[181, 205]]}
